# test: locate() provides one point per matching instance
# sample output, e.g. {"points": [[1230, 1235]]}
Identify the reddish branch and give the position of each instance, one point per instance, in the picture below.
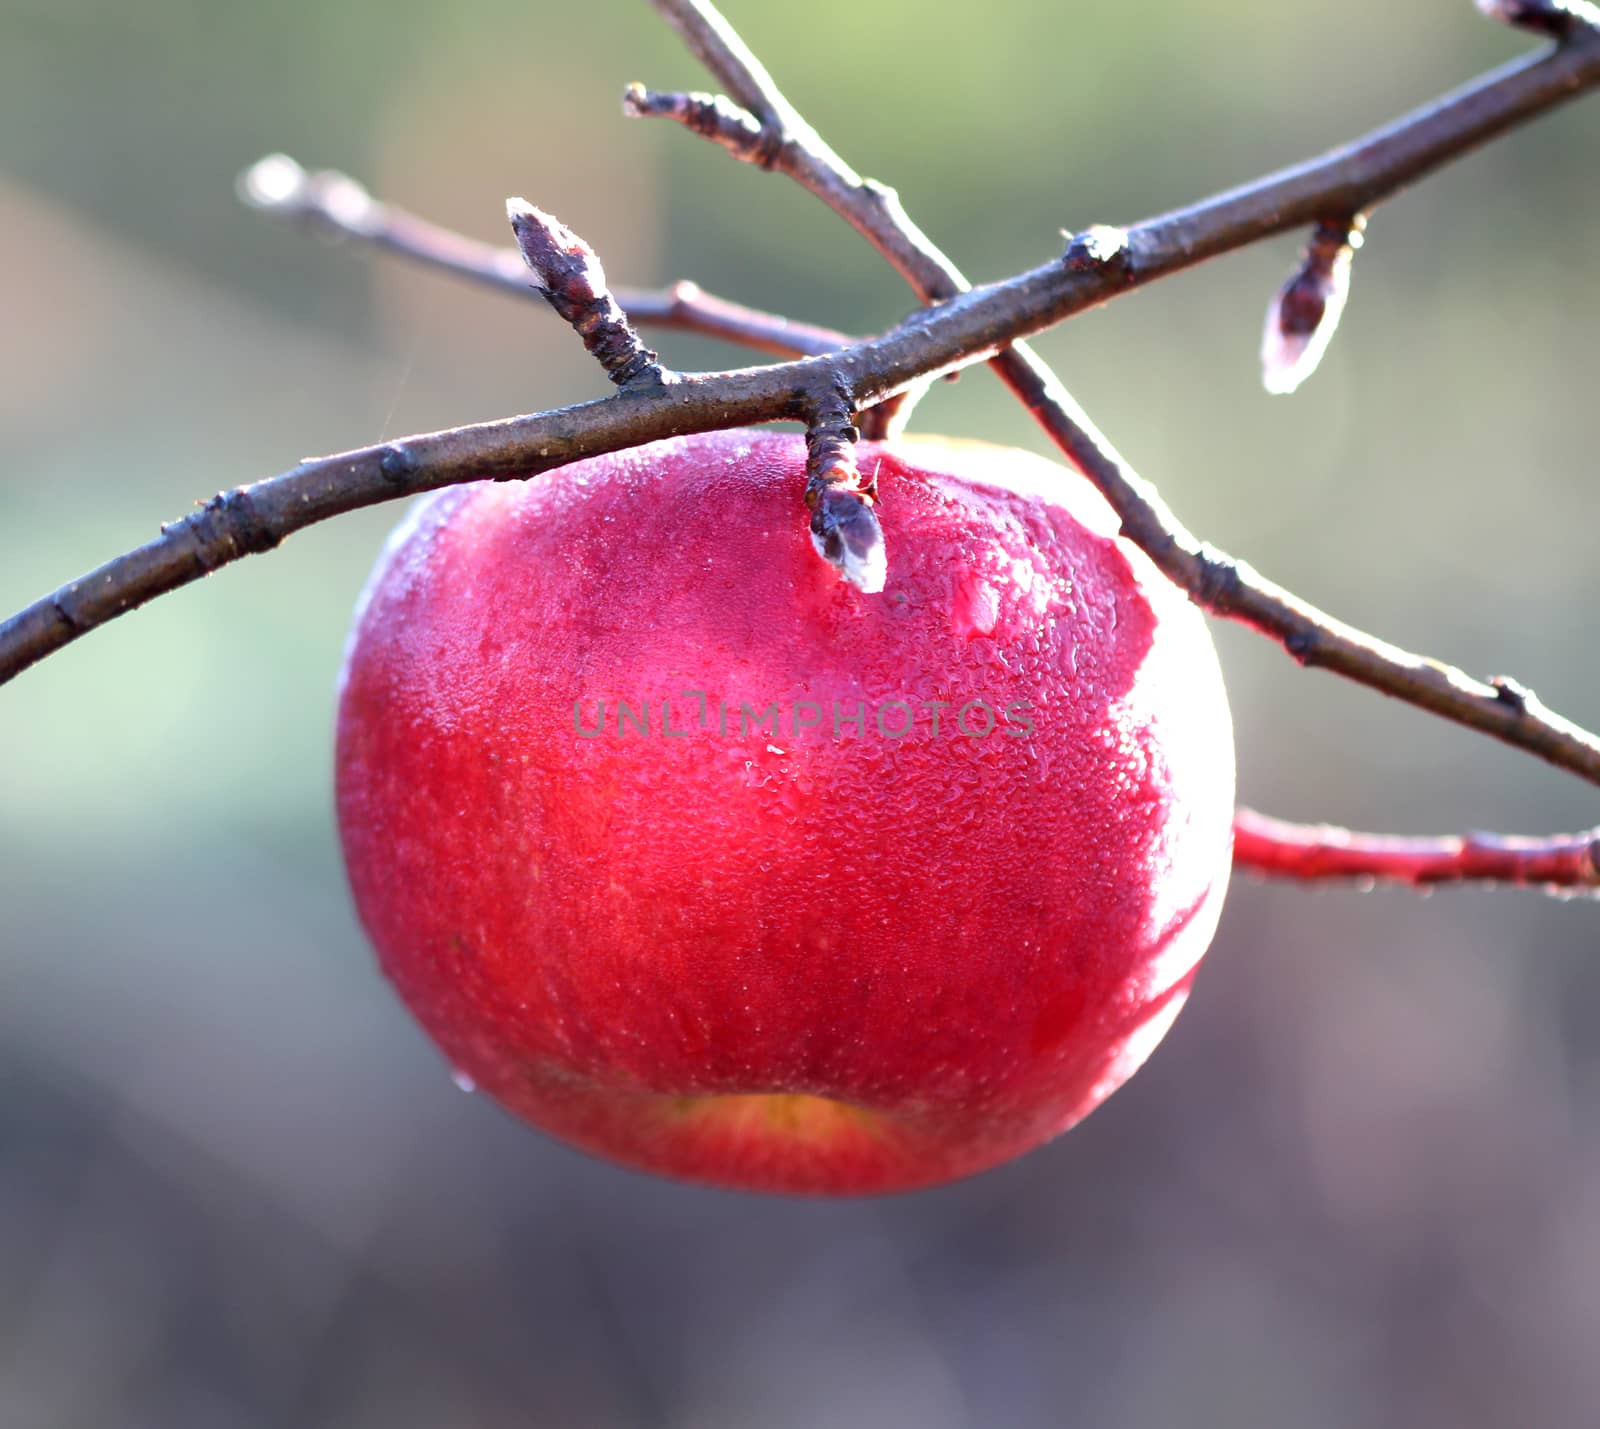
{"points": [[338, 205], [1275, 849], [966, 327]]}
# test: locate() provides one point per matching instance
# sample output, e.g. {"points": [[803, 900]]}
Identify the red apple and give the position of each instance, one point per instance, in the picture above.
{"points": [[705, 861]]}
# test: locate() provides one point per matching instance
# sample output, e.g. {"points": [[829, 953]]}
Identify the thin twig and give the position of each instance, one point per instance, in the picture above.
{"points": [[772, 134], [967, 328], [1272, 848], [336, 204], [797, 150]]}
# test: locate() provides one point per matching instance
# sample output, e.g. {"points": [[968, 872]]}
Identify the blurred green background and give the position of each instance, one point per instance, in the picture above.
{"points": [[1361, 1181]]}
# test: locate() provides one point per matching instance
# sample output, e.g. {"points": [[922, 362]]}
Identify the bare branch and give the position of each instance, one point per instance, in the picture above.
{"points": [[798, 151], [771, 133], [689, 308], [715, 43], [1564, 864], [1359, 176], [1229, 588], [1339, 185], [711, 116], [256, 518], [338, 205]]}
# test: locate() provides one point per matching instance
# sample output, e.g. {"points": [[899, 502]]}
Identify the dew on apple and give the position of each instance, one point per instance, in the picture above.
{"points": [[873, 942]]}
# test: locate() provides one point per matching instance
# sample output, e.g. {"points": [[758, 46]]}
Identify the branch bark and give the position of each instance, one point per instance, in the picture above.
{"points": [[1273, 848]]}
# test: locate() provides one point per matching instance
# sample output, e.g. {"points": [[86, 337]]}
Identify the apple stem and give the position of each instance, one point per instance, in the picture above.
{"points": [[844, 527]]}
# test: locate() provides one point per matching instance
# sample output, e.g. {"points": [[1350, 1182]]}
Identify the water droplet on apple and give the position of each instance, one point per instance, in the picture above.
{"points": [[462, 1080]]}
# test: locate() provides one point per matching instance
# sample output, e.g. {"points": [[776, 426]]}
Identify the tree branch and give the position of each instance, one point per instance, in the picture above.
{"points": [[337, 204], [970, 327], [1563, 863]]}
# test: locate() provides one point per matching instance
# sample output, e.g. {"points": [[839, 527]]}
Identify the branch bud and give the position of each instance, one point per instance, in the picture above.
{"points": [[568, 272], [1305, 314]]}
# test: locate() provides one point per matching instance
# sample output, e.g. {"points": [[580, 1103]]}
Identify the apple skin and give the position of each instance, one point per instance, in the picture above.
{"points": [[807, 962]]}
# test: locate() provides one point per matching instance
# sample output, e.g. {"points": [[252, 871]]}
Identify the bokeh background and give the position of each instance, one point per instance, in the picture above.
{"points": [[1360, 1183]]}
